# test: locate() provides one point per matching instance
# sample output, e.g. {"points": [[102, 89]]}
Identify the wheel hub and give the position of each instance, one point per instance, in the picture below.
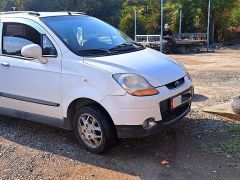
{"points": [[89, 130]]}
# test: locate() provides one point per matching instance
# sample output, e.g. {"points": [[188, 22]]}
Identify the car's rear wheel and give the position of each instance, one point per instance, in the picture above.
{"points": [[94, 129]]}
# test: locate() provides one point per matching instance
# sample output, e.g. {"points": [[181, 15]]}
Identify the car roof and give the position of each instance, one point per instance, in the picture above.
{"points": [[38, 14]]}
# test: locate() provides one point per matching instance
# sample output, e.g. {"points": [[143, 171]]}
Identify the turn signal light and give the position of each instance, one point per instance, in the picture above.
{"points": [[146, 92]]}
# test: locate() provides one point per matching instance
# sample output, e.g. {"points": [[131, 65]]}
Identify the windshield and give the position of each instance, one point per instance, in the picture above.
{"points": [[87, 36]]}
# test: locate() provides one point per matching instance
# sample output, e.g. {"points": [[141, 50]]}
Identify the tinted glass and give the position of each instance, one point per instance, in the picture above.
{"points": [[16, 36], [81, 33], [48, 47]]}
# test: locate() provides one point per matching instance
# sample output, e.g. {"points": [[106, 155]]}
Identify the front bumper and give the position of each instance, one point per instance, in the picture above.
{"points": [[127, 131]]}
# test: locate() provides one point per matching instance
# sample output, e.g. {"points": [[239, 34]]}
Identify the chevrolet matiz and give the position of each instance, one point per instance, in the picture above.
{"points": [[73, 71]]}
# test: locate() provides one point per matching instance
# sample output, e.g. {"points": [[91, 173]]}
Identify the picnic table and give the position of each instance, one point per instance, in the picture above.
{"points": [[186, 46]]}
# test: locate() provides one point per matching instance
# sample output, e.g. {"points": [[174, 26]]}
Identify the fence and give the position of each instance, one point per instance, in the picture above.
{"points": [[183, 36]]}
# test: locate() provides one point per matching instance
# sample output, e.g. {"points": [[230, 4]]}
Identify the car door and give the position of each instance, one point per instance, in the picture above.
{"points": [[26, 85], [1, 74]]}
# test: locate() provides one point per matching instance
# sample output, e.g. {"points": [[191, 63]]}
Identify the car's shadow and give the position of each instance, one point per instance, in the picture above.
{"points": [[199, 98], [139, 157]]}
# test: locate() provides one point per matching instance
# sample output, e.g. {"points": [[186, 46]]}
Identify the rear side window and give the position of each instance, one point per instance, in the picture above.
{"points": [[16, 36]]}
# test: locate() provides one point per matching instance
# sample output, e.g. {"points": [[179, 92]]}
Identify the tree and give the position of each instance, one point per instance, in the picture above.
{"points": [[109, 11], [127, 22], [235, 14], [148, 16], [7, 5]]}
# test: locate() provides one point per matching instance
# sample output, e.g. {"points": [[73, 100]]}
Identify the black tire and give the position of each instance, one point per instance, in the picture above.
{"points": [[236, 104], [109, 137]]}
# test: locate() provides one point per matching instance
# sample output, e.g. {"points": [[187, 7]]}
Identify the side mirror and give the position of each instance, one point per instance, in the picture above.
{"points": [[33, 51]]}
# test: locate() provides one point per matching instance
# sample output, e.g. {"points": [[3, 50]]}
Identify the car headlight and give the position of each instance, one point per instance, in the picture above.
{"points": [[135, 85]]}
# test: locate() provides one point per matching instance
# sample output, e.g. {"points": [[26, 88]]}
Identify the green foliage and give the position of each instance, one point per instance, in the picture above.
{"points": [[148, 16], [234, 165], [235, 14], [234, 129], [229, 147], [127, 21], [8, 4]]}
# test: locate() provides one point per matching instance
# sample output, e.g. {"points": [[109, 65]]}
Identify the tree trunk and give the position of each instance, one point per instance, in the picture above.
{"points": [[212, 30]]}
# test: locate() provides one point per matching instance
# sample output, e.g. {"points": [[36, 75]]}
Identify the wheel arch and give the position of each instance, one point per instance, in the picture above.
{"points": [[80, 102]]}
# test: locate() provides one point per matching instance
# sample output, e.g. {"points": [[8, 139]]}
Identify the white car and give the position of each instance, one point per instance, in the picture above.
{"points": [[73, 71]]}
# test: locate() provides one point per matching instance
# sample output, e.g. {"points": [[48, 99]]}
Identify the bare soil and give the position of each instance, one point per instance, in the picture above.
{"points": [[34, 151]]}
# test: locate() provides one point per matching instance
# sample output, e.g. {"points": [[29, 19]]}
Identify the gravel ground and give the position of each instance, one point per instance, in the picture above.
{"points": [[33, 151]]}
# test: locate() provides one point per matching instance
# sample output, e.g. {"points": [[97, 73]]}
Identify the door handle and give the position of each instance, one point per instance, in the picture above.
{"points": [[5, 65]]}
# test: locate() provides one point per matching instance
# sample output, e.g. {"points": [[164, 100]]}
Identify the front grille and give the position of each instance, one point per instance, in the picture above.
{"points": [[176, 84], [168, 114]]}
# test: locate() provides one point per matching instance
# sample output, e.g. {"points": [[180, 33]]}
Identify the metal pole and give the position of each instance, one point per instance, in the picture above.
{"points": [[180, 22], [208, 28], [161, 34], [135, 24]]}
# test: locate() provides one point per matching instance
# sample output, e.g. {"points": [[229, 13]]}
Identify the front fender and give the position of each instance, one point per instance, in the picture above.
{"points": [[81, 92], [80, 80]]}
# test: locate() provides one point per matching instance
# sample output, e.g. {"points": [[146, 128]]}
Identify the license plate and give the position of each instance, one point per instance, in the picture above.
{"points": [[181, 99]]}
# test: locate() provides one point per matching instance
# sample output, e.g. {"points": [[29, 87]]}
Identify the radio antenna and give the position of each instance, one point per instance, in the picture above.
{"points": [[69, 13]]}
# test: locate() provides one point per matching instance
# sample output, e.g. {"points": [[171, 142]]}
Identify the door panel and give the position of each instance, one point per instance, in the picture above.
{"points": [[33, 81], [30, 86], [1, 73]]}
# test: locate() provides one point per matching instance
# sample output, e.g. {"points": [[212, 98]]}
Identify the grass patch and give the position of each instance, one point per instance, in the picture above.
{"points": [[234, 129], [237, 166], [231, 147], [226, 147]]}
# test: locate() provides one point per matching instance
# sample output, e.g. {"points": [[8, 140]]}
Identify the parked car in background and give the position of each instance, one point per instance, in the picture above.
{"points": [[76, 72]]}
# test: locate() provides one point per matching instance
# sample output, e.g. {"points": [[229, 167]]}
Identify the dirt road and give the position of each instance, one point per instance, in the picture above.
{"points": [[34, 151]]}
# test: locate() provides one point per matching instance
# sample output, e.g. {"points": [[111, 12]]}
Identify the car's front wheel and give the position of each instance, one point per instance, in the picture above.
{"points": [[94, 129]]}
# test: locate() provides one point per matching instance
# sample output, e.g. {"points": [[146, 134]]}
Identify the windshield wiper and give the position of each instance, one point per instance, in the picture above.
{"points": [[138, 44], [126, 47], [95, 51]]}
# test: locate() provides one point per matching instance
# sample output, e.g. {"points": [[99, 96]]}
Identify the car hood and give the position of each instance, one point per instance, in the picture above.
{"points": [[156, 67]]}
